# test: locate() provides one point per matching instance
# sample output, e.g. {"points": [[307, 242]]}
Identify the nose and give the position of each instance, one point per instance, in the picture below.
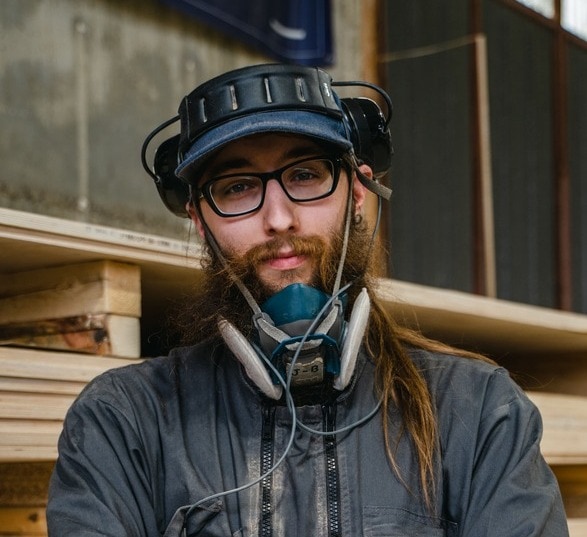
{"points": [[279, 212]]}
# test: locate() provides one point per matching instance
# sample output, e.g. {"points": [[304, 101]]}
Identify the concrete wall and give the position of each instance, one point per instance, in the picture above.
{"points": [[83, 81]]}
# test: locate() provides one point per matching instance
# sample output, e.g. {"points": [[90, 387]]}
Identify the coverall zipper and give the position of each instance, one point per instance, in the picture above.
{"points": [[331, 462], [265, 526], [332, 478]]}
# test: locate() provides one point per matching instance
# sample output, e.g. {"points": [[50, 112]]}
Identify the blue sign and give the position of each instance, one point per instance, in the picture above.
{"points": [[292, 31]]}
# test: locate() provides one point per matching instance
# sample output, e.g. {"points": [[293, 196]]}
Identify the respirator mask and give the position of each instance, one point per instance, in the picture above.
{"points": [[302, 340]]}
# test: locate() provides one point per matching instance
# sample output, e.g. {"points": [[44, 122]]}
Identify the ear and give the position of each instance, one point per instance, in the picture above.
{"points": [[359, 190], [196, 217]]}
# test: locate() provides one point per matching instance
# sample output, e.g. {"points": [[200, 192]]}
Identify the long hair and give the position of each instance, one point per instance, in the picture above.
{"points": [[397, 380], [401, 384]]}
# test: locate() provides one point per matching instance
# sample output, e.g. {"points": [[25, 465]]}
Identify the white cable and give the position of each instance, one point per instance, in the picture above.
{"points": [[287, 382]]}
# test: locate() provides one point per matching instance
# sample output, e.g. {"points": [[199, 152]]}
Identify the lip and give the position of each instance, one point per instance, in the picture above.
{"points": [[287, 261]]}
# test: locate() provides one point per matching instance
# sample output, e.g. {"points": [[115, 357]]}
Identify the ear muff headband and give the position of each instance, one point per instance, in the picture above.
{"points": [[292, 88]]}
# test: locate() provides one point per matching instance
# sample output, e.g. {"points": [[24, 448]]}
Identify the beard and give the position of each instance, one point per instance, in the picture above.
{"points": [[217, 296]]}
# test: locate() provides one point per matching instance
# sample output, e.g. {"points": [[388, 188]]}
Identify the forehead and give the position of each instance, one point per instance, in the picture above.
{"points": [[260, 151]]}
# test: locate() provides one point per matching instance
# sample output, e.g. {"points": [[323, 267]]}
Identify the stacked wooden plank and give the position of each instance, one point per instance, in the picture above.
{"points": [[565, 427], [36, 389], [85, 317], [23, 497], [91, 307]]}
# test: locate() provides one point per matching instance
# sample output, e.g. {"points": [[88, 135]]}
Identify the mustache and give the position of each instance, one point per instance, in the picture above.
{"points": [[310, 246], [245, 266]]}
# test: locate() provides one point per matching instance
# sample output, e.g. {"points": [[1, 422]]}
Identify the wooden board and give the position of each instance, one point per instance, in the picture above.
{"points": [[30, 241], [483, 323], [36, 390], [565, 427], [23, 521], [29, 432], [93, 333], [25, 406], [71, 290], [60, 366], [61, 387], [577, 527], [20, 453]]}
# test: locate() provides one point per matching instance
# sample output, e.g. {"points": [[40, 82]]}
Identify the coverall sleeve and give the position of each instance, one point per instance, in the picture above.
{"points": [[100, 484], [512, 491]]}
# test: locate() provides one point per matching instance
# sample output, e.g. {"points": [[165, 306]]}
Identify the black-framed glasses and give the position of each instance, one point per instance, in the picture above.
{"points": [[238, 194]]}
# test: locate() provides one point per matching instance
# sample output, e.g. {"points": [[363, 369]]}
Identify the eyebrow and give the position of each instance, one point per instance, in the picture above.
{"points": [[225, 166]]}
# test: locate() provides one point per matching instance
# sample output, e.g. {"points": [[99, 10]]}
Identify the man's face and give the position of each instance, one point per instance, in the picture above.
{"points": [[279, 219]]}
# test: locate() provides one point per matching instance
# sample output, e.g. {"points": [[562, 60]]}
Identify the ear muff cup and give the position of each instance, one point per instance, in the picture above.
{"points": [[173, 191], [369, 133]]}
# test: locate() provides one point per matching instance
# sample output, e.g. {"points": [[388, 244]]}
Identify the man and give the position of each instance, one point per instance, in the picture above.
{"points": [[298, 407]]}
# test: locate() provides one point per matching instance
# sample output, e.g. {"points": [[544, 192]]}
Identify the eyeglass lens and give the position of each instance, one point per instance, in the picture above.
{"points": [[305, 180]]}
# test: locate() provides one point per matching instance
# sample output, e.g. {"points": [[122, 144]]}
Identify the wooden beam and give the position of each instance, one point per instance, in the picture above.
{"points": [[562, 180], [23, 521], [15, 405], [30, 432], [487, 324], [71, 290], [94, 333], [485, 263], [565, 427], [61, 366]]}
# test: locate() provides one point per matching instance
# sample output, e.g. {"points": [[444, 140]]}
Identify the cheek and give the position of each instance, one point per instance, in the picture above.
{"points": [[326, 223], [232, 235], [333, 219], [234, 239]]}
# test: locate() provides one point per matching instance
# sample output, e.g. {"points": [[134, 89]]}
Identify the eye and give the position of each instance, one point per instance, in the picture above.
{"points": [[303, 174], [310, 173], [235, 187]]}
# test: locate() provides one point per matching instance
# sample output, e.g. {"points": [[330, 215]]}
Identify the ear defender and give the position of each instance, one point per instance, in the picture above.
{"points": [[172, 190], [369, 133], [268, 88]]}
